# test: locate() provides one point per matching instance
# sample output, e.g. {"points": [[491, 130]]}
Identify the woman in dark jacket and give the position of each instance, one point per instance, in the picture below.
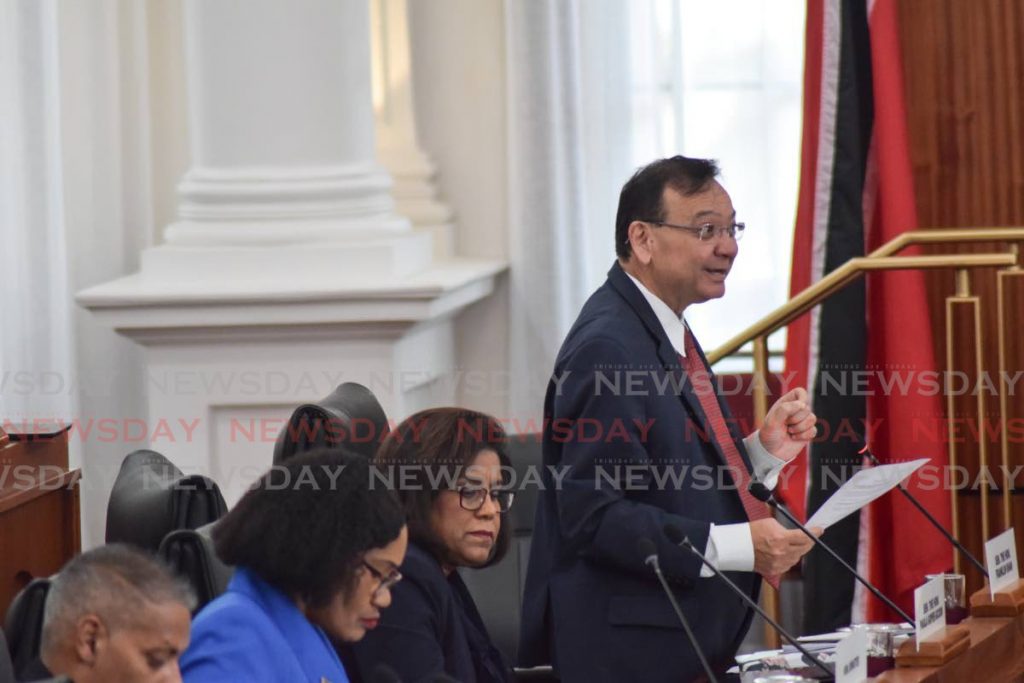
{"points": [[447, 467]]}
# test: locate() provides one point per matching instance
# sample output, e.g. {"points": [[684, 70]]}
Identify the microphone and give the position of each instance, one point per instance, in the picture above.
{"points": [[650, 554], [935, 522], [679, 538], [762, 493]]}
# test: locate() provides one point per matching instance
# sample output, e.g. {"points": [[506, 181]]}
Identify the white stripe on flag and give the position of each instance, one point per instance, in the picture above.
{"points": [[831, 37]]}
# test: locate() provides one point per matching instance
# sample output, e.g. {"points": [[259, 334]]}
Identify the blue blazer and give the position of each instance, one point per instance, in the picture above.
{"points": [[628, 430], [431, 627], [255, 633]]}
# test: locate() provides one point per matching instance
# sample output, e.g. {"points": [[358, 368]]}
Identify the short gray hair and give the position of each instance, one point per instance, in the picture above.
{"points": [[114, 582]]}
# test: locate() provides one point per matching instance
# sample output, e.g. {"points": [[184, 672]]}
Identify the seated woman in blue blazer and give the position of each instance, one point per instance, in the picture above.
{"points": [[316, 551], [433, 627]]}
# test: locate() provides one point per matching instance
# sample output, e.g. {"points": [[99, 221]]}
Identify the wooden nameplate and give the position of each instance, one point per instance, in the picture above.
{"points": [[1008, 602], [937, 650]]}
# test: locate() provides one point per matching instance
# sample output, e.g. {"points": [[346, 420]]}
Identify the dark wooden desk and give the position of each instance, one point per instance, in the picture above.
{"points": [[39, 513], [996, 654]]}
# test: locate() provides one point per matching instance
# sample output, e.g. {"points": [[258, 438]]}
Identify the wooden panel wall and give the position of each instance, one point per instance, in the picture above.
{"points": [[963, 67]]}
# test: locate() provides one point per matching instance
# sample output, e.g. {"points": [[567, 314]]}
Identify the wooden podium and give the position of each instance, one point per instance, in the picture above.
{"points": [[39, 517], [996, 653]]}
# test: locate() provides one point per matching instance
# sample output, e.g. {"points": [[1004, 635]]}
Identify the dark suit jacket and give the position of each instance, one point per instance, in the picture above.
{"points": [[431, 627], [619, 406]]}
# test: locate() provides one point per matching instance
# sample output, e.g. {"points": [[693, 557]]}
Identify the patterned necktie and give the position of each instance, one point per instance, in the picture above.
{"points": [[700, 379]]}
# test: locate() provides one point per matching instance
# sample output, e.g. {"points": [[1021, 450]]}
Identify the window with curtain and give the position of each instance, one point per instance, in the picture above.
{"points": [[724, 80]]}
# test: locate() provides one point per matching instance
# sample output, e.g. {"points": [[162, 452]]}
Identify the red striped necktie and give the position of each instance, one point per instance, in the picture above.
{"points": [[703, 387]]}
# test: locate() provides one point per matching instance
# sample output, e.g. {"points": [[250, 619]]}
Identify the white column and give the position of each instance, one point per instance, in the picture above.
{"points": [[398, 148], [283, 152], [290, 270]]}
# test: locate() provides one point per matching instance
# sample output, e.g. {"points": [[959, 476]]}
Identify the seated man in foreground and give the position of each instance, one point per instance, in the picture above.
{"points": [[115, 614]]}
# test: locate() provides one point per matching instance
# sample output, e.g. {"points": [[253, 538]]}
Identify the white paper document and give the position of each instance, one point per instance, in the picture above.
{"points": [[861, 489]]}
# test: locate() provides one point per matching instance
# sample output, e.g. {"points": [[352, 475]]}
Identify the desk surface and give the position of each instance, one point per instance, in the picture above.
{"points": [[996, 654]]}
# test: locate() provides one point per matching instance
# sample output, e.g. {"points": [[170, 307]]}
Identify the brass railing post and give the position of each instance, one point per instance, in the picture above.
{"points": [[885, 258]]}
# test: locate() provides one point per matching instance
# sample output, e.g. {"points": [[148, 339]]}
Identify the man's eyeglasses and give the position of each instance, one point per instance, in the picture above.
{"points": [[472, 498], [708, 231], [386, 580]]}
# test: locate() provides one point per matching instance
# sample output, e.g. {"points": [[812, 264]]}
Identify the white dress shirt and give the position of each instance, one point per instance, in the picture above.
{"points": [[730, 546]]}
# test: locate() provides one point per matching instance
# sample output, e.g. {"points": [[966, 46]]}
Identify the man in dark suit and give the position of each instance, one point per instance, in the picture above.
{"points": [[641, 439]]}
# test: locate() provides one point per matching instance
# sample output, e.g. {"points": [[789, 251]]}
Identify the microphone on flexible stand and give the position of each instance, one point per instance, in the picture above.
{"points": [[762, 493], [649, 552], [935, 522], [679, 538]]}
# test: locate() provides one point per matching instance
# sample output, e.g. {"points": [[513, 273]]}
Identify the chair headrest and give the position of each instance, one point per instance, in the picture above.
{"points": [[525, 452], [6, 666], [351, 416], [151, 497], [23, 623], [192, 555]]}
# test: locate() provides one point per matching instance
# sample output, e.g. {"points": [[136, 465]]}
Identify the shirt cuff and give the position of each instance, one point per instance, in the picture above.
{"points": [[730, 549], [766, 466]]}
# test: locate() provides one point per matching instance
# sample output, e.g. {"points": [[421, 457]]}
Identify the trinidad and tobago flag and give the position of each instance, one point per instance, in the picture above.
{"points": [[861, 351]]}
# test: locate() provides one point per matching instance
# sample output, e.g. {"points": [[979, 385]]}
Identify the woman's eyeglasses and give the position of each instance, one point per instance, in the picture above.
{"points": [[472, 498], [386, 580]]}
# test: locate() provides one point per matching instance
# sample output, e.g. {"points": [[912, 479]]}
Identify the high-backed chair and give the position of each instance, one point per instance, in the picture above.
{"points": [[6, 666], [190, 553], [23, 624], [350, 416], [498, 590], [151, 497]]}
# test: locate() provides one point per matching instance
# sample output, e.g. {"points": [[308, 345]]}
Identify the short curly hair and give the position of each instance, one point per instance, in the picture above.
{"points": [[430, 448], [305, 526]]}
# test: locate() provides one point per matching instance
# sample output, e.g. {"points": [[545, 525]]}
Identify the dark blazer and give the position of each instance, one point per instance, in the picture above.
{"points": [[431, 627], [627, 431]]}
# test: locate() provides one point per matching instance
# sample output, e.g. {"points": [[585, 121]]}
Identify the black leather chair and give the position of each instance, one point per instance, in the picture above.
{"points": [[350, 416], [190, 553], [6, 666], [151, 497], [23, 625], [498, 590]]}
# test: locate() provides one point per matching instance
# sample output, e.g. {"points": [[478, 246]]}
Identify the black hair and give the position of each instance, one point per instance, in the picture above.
{"points": [[433, 446], [641, 196], [305, 526]]}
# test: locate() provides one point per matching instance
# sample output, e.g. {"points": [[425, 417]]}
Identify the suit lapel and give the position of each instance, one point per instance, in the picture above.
{"points": [[666, 352], [621, 283]]}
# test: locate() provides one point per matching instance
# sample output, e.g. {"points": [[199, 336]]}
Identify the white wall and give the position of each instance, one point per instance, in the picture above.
{"points": [[108, 219], [458, 53], [168, 109]]}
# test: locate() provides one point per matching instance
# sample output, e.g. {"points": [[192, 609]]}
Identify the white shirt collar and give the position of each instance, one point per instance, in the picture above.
{"points": [[674, 325]]}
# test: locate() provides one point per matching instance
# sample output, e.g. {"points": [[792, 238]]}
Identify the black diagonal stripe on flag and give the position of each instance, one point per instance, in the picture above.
{"points": [[856, 193], [828, 588]]}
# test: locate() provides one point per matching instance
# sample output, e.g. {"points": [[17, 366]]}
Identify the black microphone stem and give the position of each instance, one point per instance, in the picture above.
{"points": [[835, 556], [949, 537], [656, 565], [685, 543]]}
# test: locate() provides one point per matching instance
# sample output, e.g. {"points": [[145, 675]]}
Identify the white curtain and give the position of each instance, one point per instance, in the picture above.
{"points": [[568, 148], [76, 211], [35, 330]]}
